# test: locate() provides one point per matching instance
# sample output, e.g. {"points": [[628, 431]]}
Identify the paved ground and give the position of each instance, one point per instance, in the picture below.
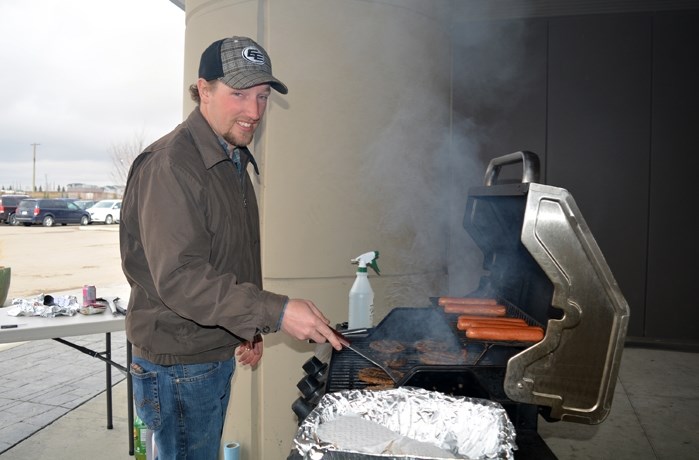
{"points": [[43, 380], [80, 434]]}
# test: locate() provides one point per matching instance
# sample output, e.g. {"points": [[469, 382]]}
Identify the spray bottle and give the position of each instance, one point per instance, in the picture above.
{"points": [[361, 296]]}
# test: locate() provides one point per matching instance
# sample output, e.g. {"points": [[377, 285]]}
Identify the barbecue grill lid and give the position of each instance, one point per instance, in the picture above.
{"points": [[540, 255]]}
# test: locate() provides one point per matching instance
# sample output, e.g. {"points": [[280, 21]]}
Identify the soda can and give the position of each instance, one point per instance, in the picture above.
{"points": [[89, 294]]}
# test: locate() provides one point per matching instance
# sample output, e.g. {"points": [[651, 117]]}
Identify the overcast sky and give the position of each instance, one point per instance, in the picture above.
{"points": [[81, 76]]}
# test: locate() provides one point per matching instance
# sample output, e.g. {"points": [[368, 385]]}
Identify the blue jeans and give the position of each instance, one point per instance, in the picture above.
{"points": [[184, 404]]}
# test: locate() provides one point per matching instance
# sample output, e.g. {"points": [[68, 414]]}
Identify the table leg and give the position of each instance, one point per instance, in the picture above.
{"points": [[108, 353], [107, 358]]}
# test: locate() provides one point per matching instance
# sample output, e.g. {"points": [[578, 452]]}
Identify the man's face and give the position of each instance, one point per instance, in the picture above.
{"points": [[233, 114]]}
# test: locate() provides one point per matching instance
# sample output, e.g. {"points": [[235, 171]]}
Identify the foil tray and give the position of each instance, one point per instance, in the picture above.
{"points": [[469, 428]]}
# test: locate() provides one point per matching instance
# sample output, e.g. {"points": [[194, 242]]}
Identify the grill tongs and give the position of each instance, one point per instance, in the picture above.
{"points": [[347, 344]]}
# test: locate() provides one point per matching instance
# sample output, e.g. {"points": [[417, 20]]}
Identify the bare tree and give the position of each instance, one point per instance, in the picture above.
{"points": [[123, 154]]}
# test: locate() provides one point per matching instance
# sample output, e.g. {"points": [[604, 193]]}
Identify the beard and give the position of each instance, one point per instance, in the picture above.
{"points": [[238, 140]]}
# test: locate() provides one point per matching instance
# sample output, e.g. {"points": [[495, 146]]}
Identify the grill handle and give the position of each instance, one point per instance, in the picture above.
{"points": [[530, 166]]}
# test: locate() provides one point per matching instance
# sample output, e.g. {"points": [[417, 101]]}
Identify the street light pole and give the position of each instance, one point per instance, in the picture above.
{"points": [[34, 169]]}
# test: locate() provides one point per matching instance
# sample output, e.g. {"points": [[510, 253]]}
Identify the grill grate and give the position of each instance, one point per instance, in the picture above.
{"points": [[409, 325]]}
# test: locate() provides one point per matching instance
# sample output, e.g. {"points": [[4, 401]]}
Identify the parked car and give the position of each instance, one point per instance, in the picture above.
{"points": [[50, 211], [107, 211], [85, 204], [8, 205]]}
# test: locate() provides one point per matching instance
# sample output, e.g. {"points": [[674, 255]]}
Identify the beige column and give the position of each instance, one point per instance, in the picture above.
{"points": [[350, 162]]}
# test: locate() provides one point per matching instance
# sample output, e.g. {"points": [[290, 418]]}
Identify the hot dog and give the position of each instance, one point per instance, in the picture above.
{"points": [[466, 325], [490, 318], [465, 301], [480, 310], [464, 322], [510, 334]]}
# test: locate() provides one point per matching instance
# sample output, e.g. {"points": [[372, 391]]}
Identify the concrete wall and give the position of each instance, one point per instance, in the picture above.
{"points": [[352, 159]]}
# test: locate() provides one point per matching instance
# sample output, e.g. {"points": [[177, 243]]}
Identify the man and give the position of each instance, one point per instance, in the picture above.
{"points": [[190, 247]]}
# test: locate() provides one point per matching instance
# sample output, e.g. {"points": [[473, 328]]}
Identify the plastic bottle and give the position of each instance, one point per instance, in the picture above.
{"points": [[139, 439], [361, 296]]}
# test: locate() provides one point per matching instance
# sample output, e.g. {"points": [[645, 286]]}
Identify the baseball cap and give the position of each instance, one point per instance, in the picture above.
{"points": [[240, 63]]}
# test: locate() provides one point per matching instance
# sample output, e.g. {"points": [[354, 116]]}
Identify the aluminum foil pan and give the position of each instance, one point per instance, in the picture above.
{"points": [[467, 428]]}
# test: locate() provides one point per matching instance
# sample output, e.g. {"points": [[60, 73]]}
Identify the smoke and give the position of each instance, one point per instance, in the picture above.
{"points": [[422, 173], [408, 173]]}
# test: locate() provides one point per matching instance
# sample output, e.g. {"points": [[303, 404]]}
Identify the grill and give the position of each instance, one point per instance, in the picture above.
{"points": [[401, 323], [543, 264]]}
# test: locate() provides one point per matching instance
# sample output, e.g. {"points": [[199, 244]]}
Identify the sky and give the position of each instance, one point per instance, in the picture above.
{"points": [[80, 78]]}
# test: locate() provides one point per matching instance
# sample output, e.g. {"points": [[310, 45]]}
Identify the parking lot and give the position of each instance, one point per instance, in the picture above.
{"points": [[48, 260]]}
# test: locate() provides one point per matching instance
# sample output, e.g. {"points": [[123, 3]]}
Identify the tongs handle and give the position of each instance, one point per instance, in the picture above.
{"points": [[341, 337]]}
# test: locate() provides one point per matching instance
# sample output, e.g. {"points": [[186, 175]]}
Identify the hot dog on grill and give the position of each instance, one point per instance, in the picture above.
{"points": [[509, 334], [465, 301], [480, 310], [464, 322]]}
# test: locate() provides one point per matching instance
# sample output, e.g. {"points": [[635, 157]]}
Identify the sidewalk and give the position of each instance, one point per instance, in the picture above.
{"points": [[80, 434], [43, 380]]}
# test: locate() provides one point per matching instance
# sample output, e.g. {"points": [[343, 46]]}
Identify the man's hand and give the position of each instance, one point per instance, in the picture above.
{"points": [[302, 320], [250, 353]]}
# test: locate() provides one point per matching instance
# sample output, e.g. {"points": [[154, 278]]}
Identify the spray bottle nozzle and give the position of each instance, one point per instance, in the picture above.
{"points": [[368, 259]]}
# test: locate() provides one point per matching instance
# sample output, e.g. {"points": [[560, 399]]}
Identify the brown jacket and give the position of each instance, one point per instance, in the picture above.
{"points": [[190, 249]]}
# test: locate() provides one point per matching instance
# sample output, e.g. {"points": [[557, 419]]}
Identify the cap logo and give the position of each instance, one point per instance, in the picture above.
{"points": [[254, 55]]}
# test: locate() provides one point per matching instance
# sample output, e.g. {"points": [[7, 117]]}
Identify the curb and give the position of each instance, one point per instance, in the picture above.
{"points": [[100, 227]]}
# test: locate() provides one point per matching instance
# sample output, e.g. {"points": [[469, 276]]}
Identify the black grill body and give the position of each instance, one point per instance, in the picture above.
{"points": [[543, 264]]}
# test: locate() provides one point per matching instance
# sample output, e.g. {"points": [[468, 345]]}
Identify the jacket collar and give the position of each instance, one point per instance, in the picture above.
{"points": [[206, 142]]}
